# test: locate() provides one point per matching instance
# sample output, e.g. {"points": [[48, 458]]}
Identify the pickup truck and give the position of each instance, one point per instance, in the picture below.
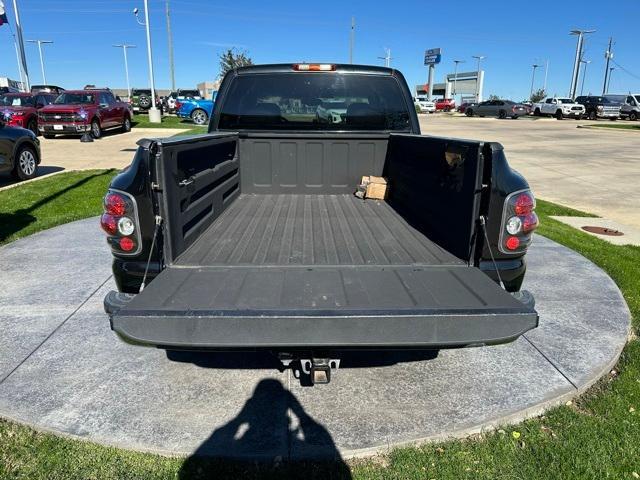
{"points": [[597, 107], [251, 237], [80, 111], [559, 107]]}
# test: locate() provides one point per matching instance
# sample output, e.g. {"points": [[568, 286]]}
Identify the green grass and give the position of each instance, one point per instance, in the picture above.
{"points": [[142, 121], [596, 437], [623, 126], [61, 198]]}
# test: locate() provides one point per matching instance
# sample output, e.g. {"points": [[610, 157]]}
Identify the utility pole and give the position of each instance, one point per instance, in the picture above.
{"points": [[479, 58], [611, 69], [170, 37], [608, 55], [352, 38], [455, 77], [124, 47], [387, 57], [576, 63], [20, 44], [584, 74], [40, 42], [533, 76]]}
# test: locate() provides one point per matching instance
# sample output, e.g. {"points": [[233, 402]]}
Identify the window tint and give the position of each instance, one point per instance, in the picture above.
{"points": [[314, 101]]}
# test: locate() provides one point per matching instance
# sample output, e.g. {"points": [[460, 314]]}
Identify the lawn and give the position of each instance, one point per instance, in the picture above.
{"points": [[595, 437], [622, 126], [142, 121]]}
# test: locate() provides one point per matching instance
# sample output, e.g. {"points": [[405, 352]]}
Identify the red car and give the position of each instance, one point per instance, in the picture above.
{"points": [[80, 111], [445, 104], [21, 109]]}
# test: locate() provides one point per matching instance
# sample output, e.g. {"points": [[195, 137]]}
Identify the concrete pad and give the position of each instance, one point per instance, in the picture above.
{"points": [[631, 234], [66, 372]]}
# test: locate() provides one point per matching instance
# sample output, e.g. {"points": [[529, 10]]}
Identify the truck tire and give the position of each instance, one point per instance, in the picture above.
{"points": [[592, 115], [502, 114], [33, 126], [126, 124], [26, 163], [96, 130], [469, 112], [199, 116], [633, 116], [558, 115], [144, 101], [536, 112]]}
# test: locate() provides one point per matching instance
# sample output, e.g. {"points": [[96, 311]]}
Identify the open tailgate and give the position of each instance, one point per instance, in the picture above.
{"points": [[322, 306]]}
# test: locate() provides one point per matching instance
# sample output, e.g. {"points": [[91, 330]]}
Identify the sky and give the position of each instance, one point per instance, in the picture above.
{"points": [[511, 34]]}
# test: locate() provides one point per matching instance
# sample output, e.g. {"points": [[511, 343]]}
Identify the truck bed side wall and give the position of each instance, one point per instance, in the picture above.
{"points": [[435, 184]]}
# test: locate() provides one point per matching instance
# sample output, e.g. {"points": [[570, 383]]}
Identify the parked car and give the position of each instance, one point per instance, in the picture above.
{"points": [[331, 111], [559, 107], [631, 107], [140, 100], [47, 89], [181, 94], [19, 151], [497, 108], [425, 105], [80, 111], [445, 104], [463, 106], [198, 110], [229, 262], [21, 109], [600, 107]]}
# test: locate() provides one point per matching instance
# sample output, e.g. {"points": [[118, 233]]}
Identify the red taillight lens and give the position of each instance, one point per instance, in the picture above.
{"points": [[512, 243], [127, 244], [530, 222], [115, 204], [524, 204], [178, 105], [109, 223]]}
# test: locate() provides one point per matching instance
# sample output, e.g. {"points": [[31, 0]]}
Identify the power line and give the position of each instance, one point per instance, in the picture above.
{"points": [[624, 69]]}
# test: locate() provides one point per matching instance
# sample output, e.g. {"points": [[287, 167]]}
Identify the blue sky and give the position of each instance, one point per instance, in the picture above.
{"points": [[512, 35]]}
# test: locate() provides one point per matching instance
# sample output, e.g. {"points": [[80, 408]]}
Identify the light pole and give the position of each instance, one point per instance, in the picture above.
{"points": [[576, 62], [170, 38], [387, 57], [479, 58], [124, 47], [40, 42], [20, 43], [611, 69], [584, 74], [154, 113], [455, 77], [533, 76]]}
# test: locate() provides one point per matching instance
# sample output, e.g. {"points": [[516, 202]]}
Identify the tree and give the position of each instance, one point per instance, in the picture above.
{"points": [[233, 58], [538, 95], [493, 97]]}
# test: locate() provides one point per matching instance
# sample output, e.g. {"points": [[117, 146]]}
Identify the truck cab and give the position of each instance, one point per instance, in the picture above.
{"points": [[251, 237]]}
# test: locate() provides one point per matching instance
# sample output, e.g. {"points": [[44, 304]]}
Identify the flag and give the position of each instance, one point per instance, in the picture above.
{"points": [[3, 14]]}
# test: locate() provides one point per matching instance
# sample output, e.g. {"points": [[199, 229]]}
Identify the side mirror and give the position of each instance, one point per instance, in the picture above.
{"points": [[104, 105]]}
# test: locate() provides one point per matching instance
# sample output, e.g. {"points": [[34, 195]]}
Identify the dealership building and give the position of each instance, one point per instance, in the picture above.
{"points": [[462, 86]]}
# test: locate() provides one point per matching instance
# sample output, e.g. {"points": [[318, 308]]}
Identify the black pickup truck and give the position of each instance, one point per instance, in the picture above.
{"points": [[250, 237]]}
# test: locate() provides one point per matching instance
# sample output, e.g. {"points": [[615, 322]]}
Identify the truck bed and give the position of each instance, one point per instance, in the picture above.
{"points": [[312, 230]]}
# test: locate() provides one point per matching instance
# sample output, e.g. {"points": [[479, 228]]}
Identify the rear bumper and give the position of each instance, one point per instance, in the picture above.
{"points": [[450, 330]]}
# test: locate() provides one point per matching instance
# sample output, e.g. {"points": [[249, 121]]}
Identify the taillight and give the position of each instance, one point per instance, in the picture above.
{"points": [[120, 222], [518, 222], [178, 105]]}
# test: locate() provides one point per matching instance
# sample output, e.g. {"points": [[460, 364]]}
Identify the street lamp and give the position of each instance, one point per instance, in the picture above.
{"points": [[40, 42], [455, 76], [124, 47], [584, 74], [154, 113], [576, 63], [533, 76], [479, 58]]}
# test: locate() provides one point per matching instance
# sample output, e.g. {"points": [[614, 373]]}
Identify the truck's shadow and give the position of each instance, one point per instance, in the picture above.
{"points": [[270, 429]]}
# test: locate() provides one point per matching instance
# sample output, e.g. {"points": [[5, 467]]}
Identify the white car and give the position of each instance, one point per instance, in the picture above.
{"points": [[332, 112], [559, 107], [425, 105]]}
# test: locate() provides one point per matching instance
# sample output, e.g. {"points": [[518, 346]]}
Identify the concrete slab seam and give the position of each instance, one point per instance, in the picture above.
{"points": [[556, 367]]}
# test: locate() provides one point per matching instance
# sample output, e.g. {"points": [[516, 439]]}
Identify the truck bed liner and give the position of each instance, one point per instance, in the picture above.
{"points": [[312, 230]]}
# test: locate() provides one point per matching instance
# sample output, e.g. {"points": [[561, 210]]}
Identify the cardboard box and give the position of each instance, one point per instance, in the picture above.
{"points": [[375, 187]]}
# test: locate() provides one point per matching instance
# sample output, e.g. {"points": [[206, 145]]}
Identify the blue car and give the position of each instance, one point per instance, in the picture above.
{"points": [[199, 111]]}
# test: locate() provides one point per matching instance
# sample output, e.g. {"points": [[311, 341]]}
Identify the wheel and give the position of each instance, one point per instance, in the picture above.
{"points": [[469, 112], [515, 117], [558, 114], [144, 101], [126, 125], [48, 135], [96, 131], [502, 114], [633, 116], [592, 115], [33, 126], [536, 112], [199, 116], [26, 163]]}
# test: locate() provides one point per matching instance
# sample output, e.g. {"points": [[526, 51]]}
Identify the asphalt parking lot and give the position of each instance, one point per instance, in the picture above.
{"points": [[595, 170]]}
